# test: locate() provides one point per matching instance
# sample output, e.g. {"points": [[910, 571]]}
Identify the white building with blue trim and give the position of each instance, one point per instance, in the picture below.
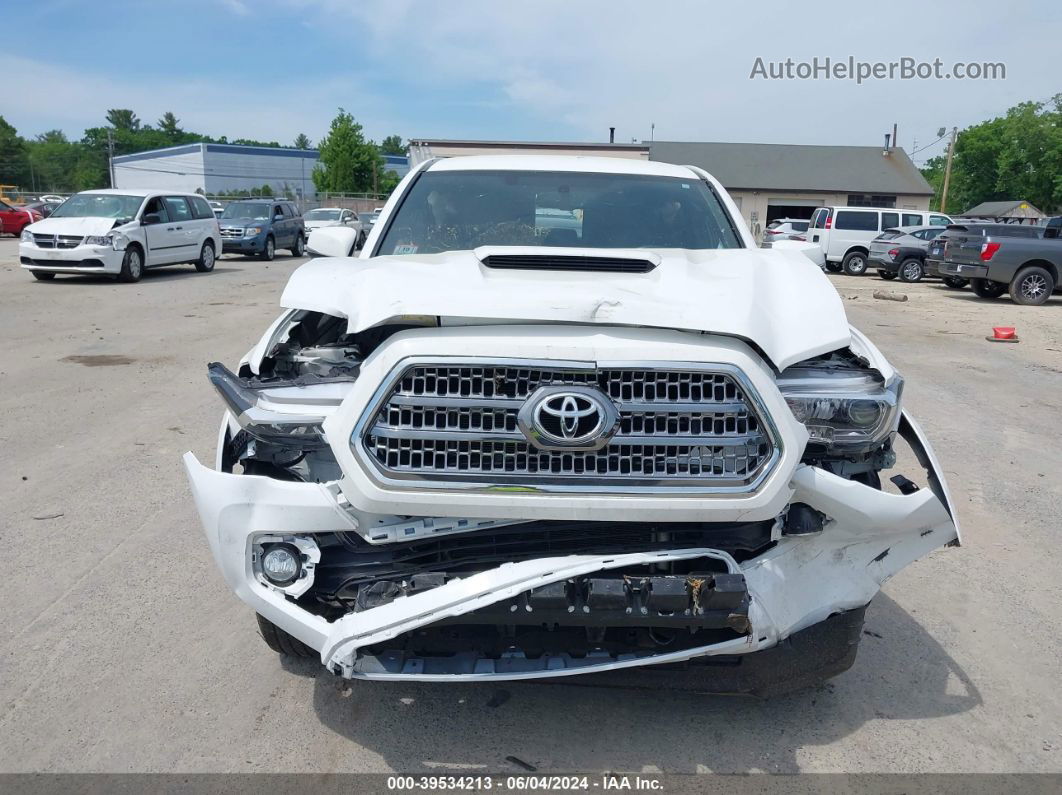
{"points": [[222, 168]]}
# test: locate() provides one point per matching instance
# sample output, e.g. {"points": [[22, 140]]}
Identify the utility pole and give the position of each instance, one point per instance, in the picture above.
{"points": [[947, 171], [110, 155]]}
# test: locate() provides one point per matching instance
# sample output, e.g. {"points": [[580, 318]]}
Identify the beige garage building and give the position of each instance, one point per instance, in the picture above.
{"points": [[770, 181]]}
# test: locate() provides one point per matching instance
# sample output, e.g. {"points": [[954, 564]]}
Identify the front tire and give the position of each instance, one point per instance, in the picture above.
{"points": [[1032, 286], [886, 275], [854, 263], [955, 283], [281, 642], [43, 276], [270, 250], [986, 288], [299, 249], [132, 265], [206, 260], [833, 267], [911, 270]]}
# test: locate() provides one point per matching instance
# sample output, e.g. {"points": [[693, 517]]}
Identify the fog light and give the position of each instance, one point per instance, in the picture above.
{"points": [[280, 564]]}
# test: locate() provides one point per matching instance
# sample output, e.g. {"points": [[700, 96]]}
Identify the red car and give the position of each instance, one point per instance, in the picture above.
{"points": [[14, 219]]}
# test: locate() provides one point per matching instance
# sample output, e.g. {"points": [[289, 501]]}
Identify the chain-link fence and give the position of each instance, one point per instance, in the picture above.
{"points": [[358, 202]]}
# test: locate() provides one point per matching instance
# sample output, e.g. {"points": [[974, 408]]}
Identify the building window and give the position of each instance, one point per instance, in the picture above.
{"points": [[870, 200]]}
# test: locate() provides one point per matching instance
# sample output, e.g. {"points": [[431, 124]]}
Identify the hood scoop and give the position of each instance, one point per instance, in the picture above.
{"points": [[566, 259]]}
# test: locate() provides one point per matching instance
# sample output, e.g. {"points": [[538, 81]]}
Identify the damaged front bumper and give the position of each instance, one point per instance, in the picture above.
{"points": [[799, 585]]}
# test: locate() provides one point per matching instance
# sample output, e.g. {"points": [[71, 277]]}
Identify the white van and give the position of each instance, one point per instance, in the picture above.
{"points": [[121, 233], [845, 232]]}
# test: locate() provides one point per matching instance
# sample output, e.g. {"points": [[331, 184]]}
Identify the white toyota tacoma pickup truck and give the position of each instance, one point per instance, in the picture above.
{"points": [[563, 416]]}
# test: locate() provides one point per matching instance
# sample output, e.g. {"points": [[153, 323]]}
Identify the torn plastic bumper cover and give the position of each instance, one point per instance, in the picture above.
{"points": [[799, 582]]}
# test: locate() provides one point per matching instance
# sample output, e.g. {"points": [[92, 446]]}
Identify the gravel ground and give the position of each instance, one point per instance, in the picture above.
{"points": [[121, 648]]}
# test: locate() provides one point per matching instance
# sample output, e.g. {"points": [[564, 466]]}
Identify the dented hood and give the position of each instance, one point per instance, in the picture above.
{"points": [[777, 300], [89, 225]]}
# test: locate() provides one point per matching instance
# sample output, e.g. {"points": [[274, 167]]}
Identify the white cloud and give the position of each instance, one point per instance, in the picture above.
{"points": [[562, 69]]}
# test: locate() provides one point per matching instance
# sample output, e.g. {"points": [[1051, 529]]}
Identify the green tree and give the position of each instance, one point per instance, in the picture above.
{"points": [[14, 161], [347, 162], [169, 125], [1014, 156], [302, 142], [54, 159], [123, 119], [392, 145]]}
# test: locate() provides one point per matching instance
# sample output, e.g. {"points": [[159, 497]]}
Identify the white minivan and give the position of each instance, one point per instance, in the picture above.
{"points": [[844, 233], [121, 233]]}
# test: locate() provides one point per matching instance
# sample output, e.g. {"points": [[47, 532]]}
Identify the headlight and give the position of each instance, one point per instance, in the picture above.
{"points": [[845, 410], [27, 236], [252, 231], [99, 240]]}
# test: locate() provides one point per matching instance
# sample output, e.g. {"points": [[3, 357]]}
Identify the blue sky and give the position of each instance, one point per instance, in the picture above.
{"points": [[549, 69]]}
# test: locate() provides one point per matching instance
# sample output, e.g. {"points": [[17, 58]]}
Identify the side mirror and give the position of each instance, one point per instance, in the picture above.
{"points": [[151, 218]]}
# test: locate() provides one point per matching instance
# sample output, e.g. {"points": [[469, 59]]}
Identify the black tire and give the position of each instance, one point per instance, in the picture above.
{"points": [[886, 275], [833, 267], [207, 258], [43, 276], [281, 642], [912, 270], [955, 283], [854, 263], [360, 242], [1032, 286], [132, 265], [299, 249], [270, 249], [985, 288]]}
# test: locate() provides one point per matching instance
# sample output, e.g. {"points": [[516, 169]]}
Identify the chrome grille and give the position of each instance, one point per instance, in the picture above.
{"points": [[450, 423], [57, 241], [231, 231]]}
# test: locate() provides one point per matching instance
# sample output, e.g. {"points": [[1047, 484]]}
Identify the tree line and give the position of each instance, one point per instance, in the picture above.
{"points": [[1014, 156], [52, 163]]}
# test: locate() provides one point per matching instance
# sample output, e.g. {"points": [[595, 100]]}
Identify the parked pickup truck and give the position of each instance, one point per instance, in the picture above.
{"points": [[1026, 260], [559, 416]]}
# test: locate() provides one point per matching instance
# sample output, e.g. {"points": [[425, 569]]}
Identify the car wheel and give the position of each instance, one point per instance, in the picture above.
{"points": [[955, 282], [270, 249], [43, 276], [986, 288], [911, 270], [132, 265], [299, 249], [833, 267], [1032, 286], [886, 275], [281, 642], [854, 263], [206, 260]]}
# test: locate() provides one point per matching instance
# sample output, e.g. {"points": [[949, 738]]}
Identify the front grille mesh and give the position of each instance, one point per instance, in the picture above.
{"points": [[453, 423]]}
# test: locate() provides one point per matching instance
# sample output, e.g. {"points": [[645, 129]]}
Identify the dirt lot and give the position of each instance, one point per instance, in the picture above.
{"points": [[121, 648]]}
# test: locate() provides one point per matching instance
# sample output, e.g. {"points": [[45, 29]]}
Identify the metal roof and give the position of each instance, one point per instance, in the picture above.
{"points": [[992, 209], [798, 167], [526, 144]]}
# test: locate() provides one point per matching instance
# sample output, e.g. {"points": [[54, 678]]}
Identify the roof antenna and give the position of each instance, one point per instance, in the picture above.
{"points": [[612, 135]]}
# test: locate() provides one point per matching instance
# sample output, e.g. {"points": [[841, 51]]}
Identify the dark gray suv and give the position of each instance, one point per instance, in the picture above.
{"points": [[258, 227]]}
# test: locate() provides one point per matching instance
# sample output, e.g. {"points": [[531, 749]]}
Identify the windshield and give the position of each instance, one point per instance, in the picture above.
{"points": [[252, 211], [98, 205], [323, 215], [457, 210]]}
